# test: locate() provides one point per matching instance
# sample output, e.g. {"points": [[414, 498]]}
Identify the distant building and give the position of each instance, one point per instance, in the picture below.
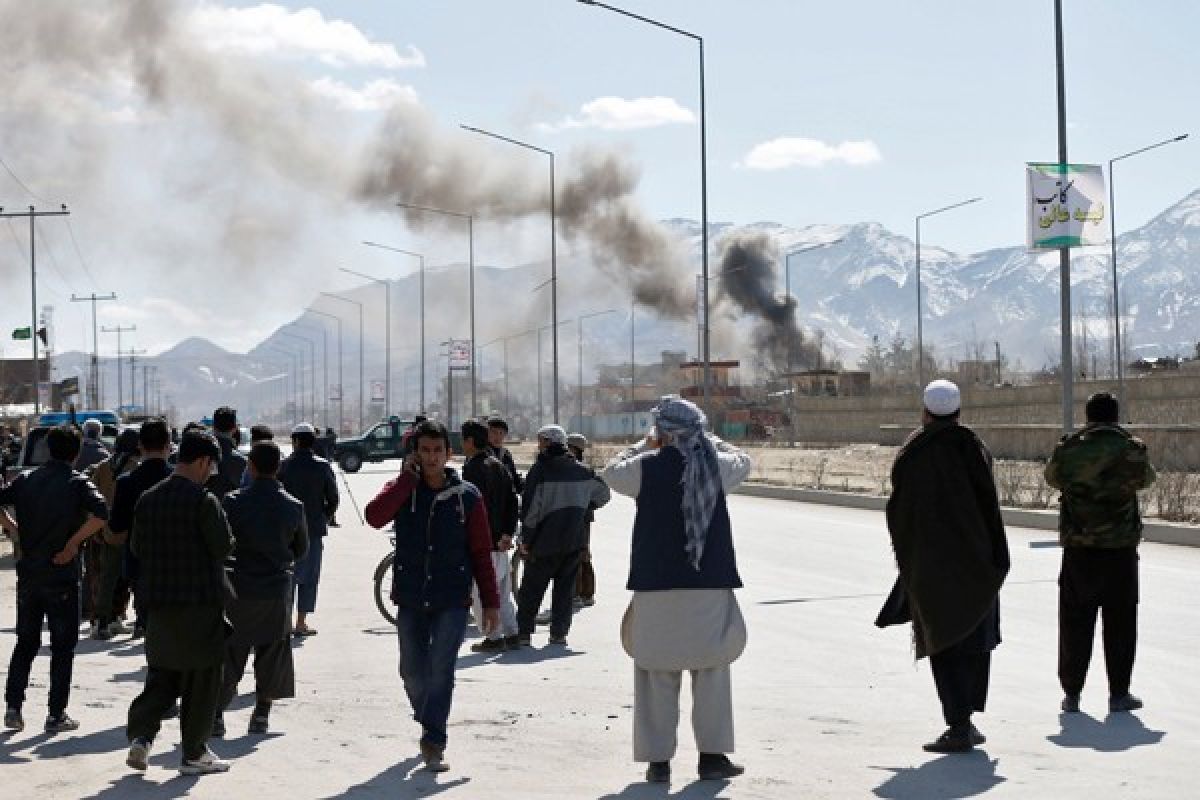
{"points": [[830, 382]]}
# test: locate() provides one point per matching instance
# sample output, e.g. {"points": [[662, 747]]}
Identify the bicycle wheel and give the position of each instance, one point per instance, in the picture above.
{"points": [[383, 588]]}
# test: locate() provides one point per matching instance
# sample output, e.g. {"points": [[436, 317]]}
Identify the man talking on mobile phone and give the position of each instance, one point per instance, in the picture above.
{"points": [[443, 543]]}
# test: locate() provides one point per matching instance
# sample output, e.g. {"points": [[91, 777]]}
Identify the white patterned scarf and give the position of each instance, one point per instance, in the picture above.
{"points": [[684, 422]]}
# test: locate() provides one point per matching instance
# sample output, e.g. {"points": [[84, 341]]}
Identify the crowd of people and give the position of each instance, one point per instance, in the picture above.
{"points": [[218, 556]]}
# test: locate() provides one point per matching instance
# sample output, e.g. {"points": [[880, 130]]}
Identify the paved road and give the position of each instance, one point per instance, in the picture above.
{"points": [[827, 706]]}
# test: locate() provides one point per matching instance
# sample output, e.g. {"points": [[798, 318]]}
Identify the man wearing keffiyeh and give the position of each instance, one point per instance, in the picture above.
{"points": [[683, 615]]}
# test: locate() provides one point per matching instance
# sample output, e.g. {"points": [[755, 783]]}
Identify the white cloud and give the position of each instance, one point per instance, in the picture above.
{"points": [[790, 151], [272, 30], [376, 95], [619, 114]]}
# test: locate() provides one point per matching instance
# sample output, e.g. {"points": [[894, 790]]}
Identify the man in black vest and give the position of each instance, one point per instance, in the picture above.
{"points": [[57, 510], [309, 478], [181, 539], [269, 534], [682, 571], [559, 491]]}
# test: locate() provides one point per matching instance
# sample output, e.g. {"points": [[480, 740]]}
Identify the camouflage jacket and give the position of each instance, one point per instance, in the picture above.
{"points": [[1099, 470]]}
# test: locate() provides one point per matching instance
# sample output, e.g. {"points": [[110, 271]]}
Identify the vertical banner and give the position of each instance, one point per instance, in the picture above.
{"points": [[460, 354], [377, 391], [1065, 206]]}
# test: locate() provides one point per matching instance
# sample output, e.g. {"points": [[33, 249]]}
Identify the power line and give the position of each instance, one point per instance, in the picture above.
{"points": [[78, 252], [20, 182]]}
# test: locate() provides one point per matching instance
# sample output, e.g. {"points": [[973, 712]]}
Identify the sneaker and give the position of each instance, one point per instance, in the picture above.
{"points": [[218, 731], [1070, 703], [118, 628], [512, 642], [977, 738], [558, 640], [587, 602], [260, 719], [717, 767], [60, 723], [954, 740], [488, 646], [139, 751], [93, 629], [658, 772], [205, 764], [101, 633], [13, 720], [1126, 702], [435, 757], [576, 603], [172, 712]]}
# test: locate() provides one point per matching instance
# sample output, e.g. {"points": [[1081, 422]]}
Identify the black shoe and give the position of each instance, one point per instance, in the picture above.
{"points": [[977, 738], [512, 642], [218, 730], [488, 646], [1070, 703], [658, 772], [260, 719], [139, 632], [557, 640], [717, 767], [1126, 702], [172, 712], [60, 723], [956, 739]]}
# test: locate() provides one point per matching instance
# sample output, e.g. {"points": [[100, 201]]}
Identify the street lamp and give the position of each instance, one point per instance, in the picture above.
{"points": [[920, 337], [342, 390], [324, 367], [1112, 220], [387, 335], [421, 258], [471, 266], [297, 400], [582, 317], [787, 278], [312, 370], [703, 173], [541, 419], [553, 248]]}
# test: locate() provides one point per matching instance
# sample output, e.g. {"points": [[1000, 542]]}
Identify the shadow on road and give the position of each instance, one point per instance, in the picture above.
{"points": [[950, 776], [404, 779], [110, 740], [1115, 733], [135, 785], [696, 790], [526, 655]]}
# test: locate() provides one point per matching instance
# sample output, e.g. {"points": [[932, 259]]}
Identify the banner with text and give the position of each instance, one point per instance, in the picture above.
{"points": [[1065, 206]]}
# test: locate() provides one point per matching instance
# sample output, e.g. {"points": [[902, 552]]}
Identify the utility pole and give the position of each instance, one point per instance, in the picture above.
{"points": [[94, 378], [118, 330], [997, 363], [33, 214], [133, 354], [1067, 370]]}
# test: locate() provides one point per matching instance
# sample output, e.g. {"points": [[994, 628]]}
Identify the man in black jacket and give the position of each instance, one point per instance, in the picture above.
{"points": [[309, 478], [232, 464], [554, 507], [269, 534], [952, 554], [57, 510], [491, 478], [181, 539]]}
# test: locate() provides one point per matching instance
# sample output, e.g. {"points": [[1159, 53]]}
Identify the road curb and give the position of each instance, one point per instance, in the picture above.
{"points": [[1160, 532]]}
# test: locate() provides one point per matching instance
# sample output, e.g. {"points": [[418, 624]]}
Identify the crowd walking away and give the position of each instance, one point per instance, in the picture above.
{"points": [[208, 556]]}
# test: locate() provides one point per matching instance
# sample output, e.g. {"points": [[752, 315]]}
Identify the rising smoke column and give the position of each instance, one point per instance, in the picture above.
{"points": [[748, 279]]}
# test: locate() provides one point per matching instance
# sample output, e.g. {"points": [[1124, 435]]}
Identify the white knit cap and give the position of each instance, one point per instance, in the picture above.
{"points": [[941, 398]]}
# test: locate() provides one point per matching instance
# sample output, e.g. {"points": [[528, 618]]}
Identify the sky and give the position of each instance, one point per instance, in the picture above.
{"points": [[225, 223]]}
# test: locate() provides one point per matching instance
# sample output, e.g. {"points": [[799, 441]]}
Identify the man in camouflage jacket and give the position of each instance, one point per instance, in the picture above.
{"points": [[1099, 470]]}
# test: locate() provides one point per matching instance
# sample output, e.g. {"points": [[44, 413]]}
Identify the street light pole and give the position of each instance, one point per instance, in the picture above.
{"points": [[703, 178], [421, 259], [387, 336], [361, 338], [920, 336], [787, 278], [579, 338], [1112, 239], [341, 391], [471, 266], [553, 249], [312, 369], [1067, 369], [324, 369]]}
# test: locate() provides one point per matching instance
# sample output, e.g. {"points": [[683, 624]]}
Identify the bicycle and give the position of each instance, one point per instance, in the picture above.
{"points": [[383, 584]]}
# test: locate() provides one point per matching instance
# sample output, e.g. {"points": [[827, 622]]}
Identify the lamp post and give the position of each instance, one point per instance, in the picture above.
{"points": [[787, 278], [361, 403], [471, 267], [341, 391], [297, 401], [579, 336], [553, 249], [920, 336], [312, 370], [703, 177], [387, 335], [421, 259], [1112, 221], [541, 419], [324, 367]]}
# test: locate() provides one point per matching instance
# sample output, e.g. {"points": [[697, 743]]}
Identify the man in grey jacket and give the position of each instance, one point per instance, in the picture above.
{"points": [[309, 478]]}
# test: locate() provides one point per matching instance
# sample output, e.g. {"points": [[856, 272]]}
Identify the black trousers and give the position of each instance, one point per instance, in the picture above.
{"points": [[540, 570], [58, 607], [274, 672], [961, 677], [197, 690], [1105, 580]]}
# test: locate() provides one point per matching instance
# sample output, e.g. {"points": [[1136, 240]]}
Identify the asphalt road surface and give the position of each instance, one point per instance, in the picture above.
{"points": [[826, 704]]}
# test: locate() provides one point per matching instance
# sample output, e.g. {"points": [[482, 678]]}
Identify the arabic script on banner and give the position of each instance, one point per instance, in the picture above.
{"points": [[1065, 206]]}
